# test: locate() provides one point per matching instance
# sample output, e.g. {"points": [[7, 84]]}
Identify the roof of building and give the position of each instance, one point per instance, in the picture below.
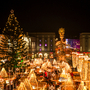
{"points": [[42, 33], [84, 33]]}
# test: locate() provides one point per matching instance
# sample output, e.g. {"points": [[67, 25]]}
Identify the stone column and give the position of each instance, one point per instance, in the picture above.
{"points": [[53, 43], [80, 43], [37, 43], [42, 43], [89, 43], [48, 43], [83, 43]]}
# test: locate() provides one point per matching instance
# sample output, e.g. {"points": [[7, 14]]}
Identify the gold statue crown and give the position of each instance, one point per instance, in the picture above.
{"points": [[12, 11], [61, 30]]}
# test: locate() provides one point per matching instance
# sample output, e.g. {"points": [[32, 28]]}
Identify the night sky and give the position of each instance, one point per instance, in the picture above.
{"points": [[43, 16]]}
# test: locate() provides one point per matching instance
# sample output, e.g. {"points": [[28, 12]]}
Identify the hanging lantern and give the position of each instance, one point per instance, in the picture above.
{"points": [[84, 70]]}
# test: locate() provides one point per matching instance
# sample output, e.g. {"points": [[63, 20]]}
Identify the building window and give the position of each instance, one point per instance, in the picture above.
{"points": [[40, 49], [45, 49], [45, 45], [40, 45], [51, 40], [51, 49], [45, 40], [51, 45], [40, 40]]}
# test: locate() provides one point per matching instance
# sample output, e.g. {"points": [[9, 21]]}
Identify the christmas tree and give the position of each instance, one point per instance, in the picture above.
{"points": [[16, 48]]}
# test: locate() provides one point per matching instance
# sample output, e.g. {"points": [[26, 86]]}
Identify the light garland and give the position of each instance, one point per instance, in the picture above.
{"points": [[74, 59], [80, 62]]}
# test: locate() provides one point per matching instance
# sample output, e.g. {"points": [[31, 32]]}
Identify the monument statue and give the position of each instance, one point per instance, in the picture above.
{"points": [[61, 45]]}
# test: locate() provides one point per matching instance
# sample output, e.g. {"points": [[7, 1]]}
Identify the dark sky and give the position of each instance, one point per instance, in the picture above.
{"points": [[43, 16]]}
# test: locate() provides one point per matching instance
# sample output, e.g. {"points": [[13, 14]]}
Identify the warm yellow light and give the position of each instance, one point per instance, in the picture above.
{"points": [[33, 87], [67, 55]]}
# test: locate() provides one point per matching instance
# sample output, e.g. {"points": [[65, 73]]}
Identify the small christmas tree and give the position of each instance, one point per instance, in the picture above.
{"points": [[14, 33]]}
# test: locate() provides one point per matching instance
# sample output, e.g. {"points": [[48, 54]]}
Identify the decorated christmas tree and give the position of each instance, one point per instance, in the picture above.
{"points": [[16, 48]]}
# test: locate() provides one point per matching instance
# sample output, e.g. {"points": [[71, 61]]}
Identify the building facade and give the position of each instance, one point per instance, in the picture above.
{"points": [[42, 44], [85, 42]]}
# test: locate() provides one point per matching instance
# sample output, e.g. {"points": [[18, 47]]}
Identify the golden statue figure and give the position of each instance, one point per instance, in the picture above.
{"points": [[61, 45]]}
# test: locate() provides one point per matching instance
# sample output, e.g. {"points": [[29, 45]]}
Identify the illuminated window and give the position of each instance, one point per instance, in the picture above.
{"points": [[45, 40], [45, 49], [40, 45], [40, 49], [45, 45], [40, 40], [51, 49]]}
